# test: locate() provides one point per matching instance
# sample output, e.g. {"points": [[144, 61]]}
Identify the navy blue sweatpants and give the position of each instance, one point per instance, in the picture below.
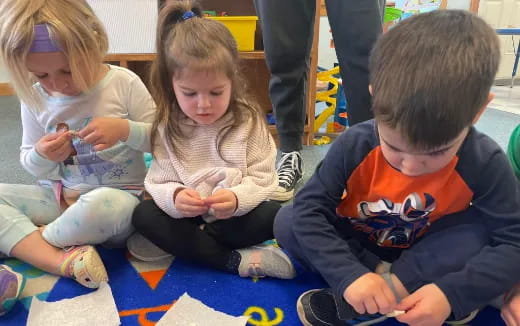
{"points": [[445, 248]]}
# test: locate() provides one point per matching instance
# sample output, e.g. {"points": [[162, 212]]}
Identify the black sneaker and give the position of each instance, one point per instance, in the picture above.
{"points": [[320, 308], [290, 171]]}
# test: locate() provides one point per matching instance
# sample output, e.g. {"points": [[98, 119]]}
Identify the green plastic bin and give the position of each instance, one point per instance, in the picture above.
{"points": [[513, 151], [392, 14]]}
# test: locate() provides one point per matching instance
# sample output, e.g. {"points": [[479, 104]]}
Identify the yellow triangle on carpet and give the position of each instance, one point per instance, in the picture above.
{"points": [[35, 286], [153, 277]]}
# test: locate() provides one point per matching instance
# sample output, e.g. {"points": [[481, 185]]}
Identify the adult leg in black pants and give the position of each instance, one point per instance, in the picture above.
{"points": [[287, 28], [230, 245]]}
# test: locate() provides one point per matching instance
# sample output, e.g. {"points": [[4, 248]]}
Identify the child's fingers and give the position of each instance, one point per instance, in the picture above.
{"points": [[100, 147], [65, 136], [192, 193], [57, 154], [189, 204], [192, 210], [216, 198], [193, 201], [385, 301], [53, 144], [413, 315], [87, 130], [407, 303], [410, 317], [390, 297], [371, 305], [53, 136], [93, 138], [64, 149], [358, 306], [413, 320], [508, 319], [223, 210], [222, 205], [515, 319]]}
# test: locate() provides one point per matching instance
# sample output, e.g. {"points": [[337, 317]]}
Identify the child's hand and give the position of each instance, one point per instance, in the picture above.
{"points": [[426, 306], [510, 311], [104, 133], [370, 294], [56, 146], [223, 202], [188, 203]]}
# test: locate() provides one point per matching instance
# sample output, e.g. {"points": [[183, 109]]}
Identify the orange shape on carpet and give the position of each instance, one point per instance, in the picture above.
{"points": [[153, 277], [142, 312]]}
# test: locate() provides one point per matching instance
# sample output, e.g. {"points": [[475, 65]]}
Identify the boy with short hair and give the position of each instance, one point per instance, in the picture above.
{"points": [[415, 211]]}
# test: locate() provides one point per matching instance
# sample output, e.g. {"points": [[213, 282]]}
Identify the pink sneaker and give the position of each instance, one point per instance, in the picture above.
{"points": [[84, 265]]}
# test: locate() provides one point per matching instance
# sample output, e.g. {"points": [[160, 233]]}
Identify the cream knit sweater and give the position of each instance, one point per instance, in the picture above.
{"points": [[248, 169]]}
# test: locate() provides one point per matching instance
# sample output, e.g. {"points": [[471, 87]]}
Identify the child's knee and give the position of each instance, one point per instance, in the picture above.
{"points": [[140, 214], [4, 188], [110, 207], [282, 228], [13, 228]]}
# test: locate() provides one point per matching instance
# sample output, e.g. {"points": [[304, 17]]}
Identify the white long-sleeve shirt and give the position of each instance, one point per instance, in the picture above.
{"points": [[245, 166], [120, 94]]}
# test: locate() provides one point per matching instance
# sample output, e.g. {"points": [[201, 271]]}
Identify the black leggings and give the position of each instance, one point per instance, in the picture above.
{"points": [[209, 244]]}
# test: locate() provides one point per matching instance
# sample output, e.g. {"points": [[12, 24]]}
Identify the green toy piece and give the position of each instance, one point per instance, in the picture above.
{"points": [[392, 14], [513, 151]]}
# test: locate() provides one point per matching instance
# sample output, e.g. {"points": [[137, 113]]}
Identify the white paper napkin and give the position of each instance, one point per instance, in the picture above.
{"points": [[191, 312], [96, 308]]}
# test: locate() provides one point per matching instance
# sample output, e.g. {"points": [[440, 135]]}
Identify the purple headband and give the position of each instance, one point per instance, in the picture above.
{"points": [[42, 40]]}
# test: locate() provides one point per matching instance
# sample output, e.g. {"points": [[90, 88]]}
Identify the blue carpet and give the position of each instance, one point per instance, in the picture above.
{"points": [[270, 302]]}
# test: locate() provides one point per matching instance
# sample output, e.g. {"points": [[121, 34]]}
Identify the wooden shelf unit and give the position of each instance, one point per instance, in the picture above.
{"points": [[253, 63], [6, 90]]}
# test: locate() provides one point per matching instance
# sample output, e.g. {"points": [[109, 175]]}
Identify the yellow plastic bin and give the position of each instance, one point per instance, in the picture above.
{"points": [[243, 29]]}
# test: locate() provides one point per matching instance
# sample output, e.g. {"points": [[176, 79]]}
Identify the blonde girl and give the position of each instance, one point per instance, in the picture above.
{"points": [[214, 158], [85, 127]]}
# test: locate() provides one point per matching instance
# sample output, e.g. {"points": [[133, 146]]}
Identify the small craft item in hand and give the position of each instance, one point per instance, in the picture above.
{"points": [[62, 126]]}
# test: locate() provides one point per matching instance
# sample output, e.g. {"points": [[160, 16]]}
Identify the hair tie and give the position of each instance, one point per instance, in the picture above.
{"points": [[188, 14], [42, 40]]}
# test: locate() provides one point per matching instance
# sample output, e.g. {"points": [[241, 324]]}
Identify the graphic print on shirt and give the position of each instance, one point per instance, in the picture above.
{"points": [[88, 161], [391, 209], [392, 224]]}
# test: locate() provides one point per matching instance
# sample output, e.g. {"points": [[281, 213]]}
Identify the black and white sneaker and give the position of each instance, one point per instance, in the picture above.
{"points": [[290, 171], [320, 307]]}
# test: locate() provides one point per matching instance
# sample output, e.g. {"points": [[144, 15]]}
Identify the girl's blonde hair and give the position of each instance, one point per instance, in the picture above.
{"points": [[72, 25], [198, 44]]}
